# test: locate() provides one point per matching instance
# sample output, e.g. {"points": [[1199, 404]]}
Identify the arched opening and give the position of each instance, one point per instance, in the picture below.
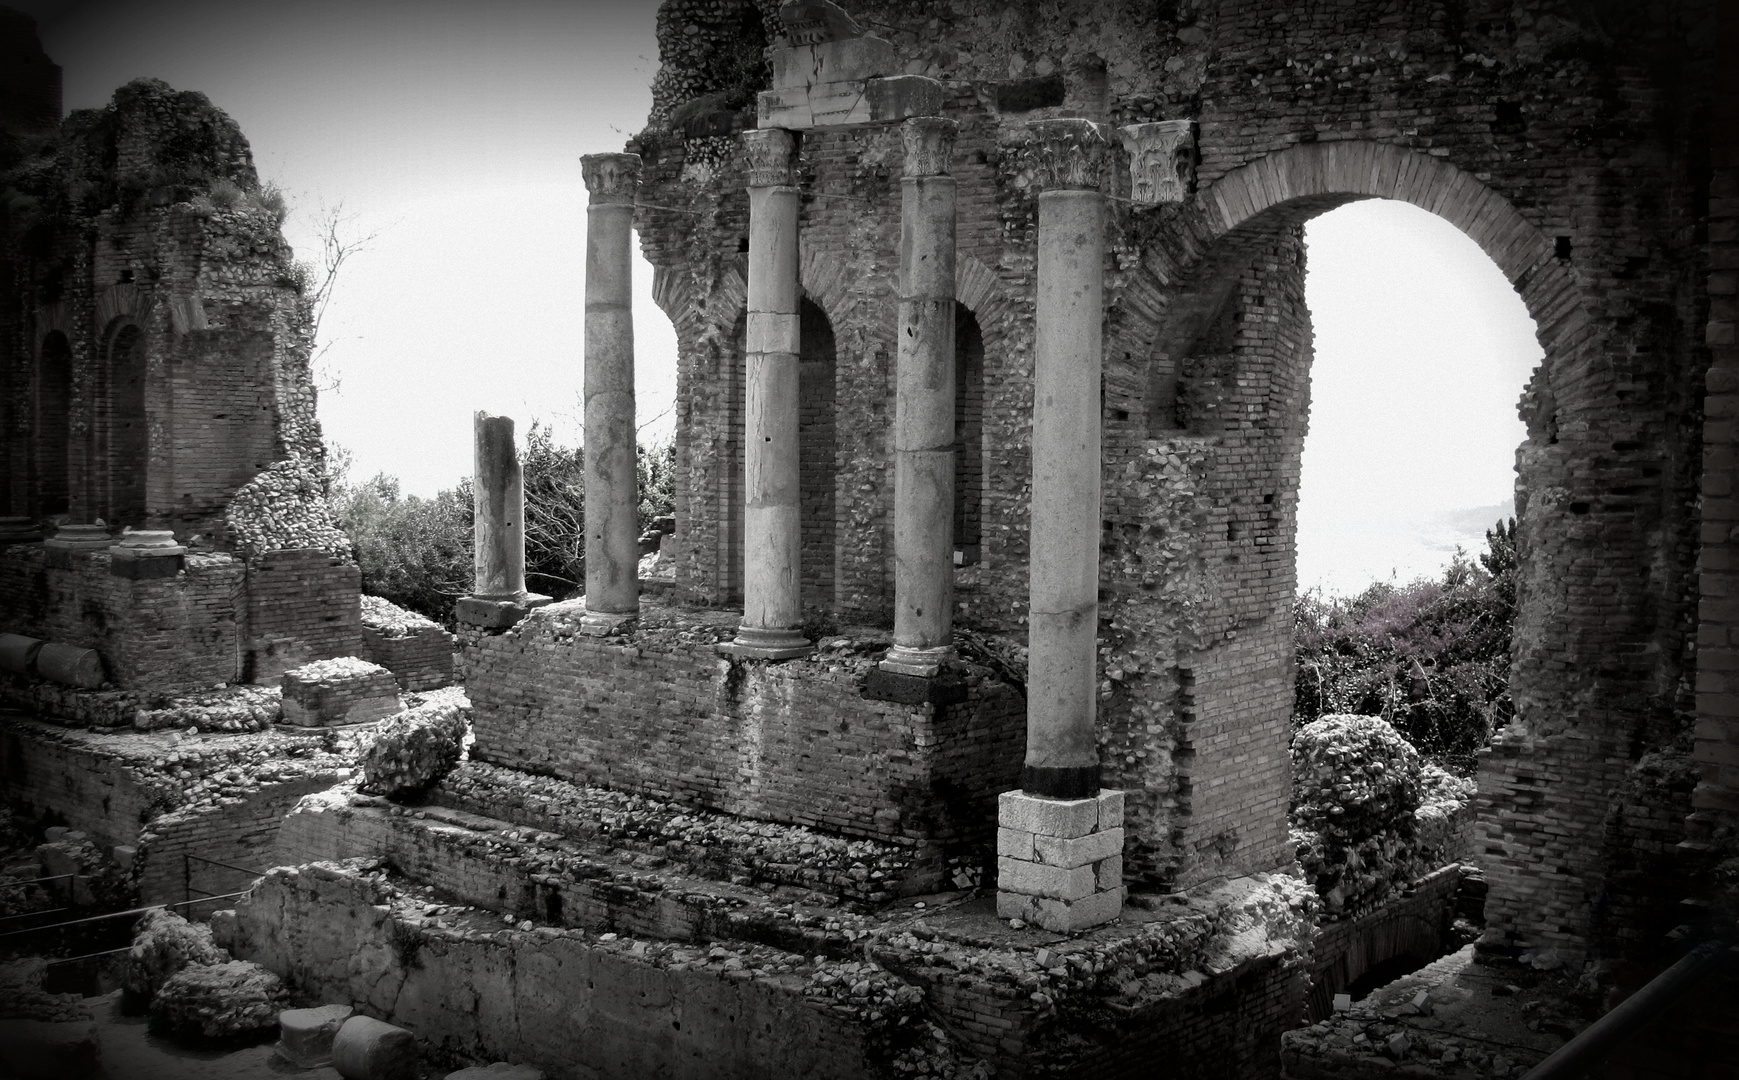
{"points": [[817, 447], [53, 424], [127, 446], [968, 435]]}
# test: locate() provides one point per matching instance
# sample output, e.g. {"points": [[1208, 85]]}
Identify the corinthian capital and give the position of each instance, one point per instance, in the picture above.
{"points": [[611, 178], [769, 151], [929, 143], [1069, 153], [1162, 161]]}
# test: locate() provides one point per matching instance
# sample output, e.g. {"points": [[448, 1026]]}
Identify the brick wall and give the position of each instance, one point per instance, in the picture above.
{"points": [[302, 606], [175, 633], [47, 780], [421, 659], [659, 713], [242, 832], [1569, 150]]}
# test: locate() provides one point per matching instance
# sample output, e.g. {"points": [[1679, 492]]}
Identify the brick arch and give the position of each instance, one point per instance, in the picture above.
{"points": [[1212, 238]]}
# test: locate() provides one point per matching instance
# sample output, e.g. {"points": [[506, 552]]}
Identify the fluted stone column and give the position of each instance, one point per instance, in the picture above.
{"points": [[1060, 840], [772, 594], [924, 405], [498, 595], [612, 491]]}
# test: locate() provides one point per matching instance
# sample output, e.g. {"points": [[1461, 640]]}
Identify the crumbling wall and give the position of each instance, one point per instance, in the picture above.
{"points": [[302, 605]]}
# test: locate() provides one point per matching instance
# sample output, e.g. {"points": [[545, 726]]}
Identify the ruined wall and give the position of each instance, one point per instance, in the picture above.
{"points": [[302, 605], [156, 341], [660, 714], [172, 633], [1569, 145]]}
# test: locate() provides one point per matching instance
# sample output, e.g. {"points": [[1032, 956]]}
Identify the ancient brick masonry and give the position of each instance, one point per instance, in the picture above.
{"points": [[1572, 163]]}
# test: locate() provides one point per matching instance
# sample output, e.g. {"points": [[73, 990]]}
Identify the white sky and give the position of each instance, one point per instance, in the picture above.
{"points": [[454, 129]]}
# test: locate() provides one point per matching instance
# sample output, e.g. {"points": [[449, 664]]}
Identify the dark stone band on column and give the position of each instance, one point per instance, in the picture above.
{"points": [[1068, 782]]}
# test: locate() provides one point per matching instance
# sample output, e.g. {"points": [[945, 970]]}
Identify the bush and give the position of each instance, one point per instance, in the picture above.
{"points": [[1430, 657]]}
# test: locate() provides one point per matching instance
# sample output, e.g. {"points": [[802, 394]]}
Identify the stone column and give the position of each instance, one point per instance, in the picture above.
{"points": [[498, 597], [612, 493], [924, 405], [772, 596], [1060, 841]]}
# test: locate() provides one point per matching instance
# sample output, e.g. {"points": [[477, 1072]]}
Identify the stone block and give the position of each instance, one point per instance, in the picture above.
{"points": [[1061, 916], [850, 103], [1079, 851], [218, 1001], [499, 1070], [901, 97], [342, 691], [18, 653], [852, 59], [1108, 873], [1015, 844], [1064, 819], [494, 613], [943, 688], [368, 1049], [1037, 879], [305, 1036]]}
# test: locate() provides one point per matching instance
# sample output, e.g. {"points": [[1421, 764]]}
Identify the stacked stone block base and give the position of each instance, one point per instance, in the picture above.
{"points": [[342, 691], [1059, 862]]}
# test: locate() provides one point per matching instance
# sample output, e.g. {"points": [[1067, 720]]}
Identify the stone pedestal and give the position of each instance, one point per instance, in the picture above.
{"points": [[924, 405], [80, 538], [498, 598], [612, 494], [143, 554], [772, 565], [1071, 876], [1059, 862]]}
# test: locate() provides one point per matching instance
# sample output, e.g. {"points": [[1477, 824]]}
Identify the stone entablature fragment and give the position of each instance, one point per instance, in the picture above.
{"points": [[827, 73], [1162, 161]]}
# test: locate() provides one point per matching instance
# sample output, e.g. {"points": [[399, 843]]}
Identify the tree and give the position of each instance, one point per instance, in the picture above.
{"points": [[339, 242], [1432, 657]]}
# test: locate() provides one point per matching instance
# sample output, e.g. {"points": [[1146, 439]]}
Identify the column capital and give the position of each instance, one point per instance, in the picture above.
{"points": [[1162, 161], [769, 151], [1069, 153], [611, 178], [929, 145]]}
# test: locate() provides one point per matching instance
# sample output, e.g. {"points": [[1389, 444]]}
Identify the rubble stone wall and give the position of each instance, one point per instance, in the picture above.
{"points": [[241, 832], [169, 633], [793, 742], [302, 606], [95, 793], [1568, 147], [549, 996]]}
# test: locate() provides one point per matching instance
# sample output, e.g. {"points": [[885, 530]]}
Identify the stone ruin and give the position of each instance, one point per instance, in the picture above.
{"points": [[958, 740]]}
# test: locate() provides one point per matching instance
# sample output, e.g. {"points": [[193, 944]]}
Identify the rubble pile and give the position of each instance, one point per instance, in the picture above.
{"points": [[284, 508], [233, 999], [1355, 790], [163, 944], [22, 996], [222, 708], [1444, 817], [417, 747], [389, 620], [709, 844]]}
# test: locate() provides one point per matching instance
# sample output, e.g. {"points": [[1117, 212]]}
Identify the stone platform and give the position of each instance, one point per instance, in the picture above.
{"points": [[1205, 981]]}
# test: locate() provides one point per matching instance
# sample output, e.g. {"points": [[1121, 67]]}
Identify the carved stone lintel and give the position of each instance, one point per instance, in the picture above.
{"points": [[1162, 161], [611, 178], [1069, 153], [769, 151], [811, 22], [929, 143]]}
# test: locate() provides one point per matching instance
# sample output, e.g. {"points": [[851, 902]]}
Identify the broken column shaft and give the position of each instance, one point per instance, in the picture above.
{"points": [[612, 492], [924, 405], [1060, 840], [772, 596], [498, 495], [498, 597]]}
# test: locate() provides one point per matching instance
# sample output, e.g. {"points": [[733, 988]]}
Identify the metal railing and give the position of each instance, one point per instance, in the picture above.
{"points": [[187, 888], [1589, 1048], [116, 915]]}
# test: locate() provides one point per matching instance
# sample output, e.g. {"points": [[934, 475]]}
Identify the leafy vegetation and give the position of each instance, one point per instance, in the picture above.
{"points": [[1431, 657], [417, 552]]}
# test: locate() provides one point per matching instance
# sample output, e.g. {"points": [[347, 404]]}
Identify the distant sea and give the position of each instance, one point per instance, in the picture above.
{"points": [[1343, 560]]}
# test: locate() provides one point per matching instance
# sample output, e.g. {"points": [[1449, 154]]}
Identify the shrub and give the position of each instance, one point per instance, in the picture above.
{"points": [[1430, 657]]}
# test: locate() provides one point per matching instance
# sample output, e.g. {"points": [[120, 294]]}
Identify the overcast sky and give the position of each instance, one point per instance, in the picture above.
{"points": [[454, 131]]}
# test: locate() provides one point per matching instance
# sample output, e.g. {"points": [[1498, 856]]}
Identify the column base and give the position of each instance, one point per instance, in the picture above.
{"points": [[605, 623], [19, 530], [921, 662], [80, 538], [1059, 862], [497, 612], [754, 643]]}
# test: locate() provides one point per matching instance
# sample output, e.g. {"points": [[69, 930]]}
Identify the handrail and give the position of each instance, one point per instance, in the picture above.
{"points": [[1588, 1048], [120, 914]]}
